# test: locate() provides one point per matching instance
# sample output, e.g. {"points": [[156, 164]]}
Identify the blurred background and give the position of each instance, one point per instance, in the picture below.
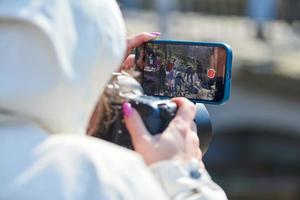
{"points": [[255, 152]]}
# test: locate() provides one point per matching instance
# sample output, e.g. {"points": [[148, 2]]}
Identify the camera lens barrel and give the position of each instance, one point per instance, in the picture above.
{"points": [[204, 127]]}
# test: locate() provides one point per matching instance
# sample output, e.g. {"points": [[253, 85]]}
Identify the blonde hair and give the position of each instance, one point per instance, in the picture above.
{"points": [[105, 113]]}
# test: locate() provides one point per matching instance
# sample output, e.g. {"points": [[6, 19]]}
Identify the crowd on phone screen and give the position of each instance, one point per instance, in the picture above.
{"points": [[171, 77]]}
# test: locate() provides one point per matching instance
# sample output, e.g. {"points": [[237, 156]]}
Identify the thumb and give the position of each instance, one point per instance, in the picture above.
{"points": [[139, 134]]}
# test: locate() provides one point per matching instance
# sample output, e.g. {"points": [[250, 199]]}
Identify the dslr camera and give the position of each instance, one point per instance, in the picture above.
{"points": [[155, 112]]}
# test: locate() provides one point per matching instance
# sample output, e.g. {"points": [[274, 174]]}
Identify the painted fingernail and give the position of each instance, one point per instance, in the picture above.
{"points": [[155, 33], [127, 109]]}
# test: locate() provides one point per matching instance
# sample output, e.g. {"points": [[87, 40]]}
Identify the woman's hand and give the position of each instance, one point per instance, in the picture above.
{"points": [[133, 42], [179, 140]]}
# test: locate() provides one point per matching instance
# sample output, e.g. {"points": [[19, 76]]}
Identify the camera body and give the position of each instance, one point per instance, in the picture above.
{"points": [[156, 113]]}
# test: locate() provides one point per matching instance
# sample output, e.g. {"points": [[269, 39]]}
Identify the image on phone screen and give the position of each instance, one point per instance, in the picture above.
{"points": [[192, 71]]}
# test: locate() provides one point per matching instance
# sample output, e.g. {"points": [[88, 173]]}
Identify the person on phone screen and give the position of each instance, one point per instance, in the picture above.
{"points": [[171, 64], [179, 82], [188, 74], [56, 57], [170, 78], [199, 70], [162, 79]]}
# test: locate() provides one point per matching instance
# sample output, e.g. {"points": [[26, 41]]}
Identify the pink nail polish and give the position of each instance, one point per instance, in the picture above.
{"points": [[155, 33], [127, 109]]}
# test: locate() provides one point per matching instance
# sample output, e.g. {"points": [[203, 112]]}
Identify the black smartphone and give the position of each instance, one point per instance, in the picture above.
{"points": [[199, 71]]}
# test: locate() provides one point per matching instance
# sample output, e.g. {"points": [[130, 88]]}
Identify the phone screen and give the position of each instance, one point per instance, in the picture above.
{"points": [[193, 70]]}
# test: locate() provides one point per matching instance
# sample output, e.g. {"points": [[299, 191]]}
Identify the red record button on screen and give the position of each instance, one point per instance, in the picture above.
{"points": [[211, 73]]}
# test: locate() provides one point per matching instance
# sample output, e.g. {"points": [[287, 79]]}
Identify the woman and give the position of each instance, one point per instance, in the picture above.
{"points": [[56, 57], [170, 78]]}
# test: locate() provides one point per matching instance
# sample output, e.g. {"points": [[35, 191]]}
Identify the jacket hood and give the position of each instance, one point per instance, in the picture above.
{"points": [[56, 57]]}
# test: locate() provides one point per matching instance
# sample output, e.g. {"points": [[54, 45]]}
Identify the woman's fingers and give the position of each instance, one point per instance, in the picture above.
{"points": [[178, 140], [128, 62], [133, 42], [186, 110], [136, 128], [139, 39], [183, 123]]}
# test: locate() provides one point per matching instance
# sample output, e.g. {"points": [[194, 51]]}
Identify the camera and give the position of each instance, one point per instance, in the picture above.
{"points": [[156, 113]]}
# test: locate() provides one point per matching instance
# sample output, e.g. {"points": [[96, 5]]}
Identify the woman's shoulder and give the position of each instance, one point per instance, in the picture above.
{"points": [[90, 147], [107, 166]]}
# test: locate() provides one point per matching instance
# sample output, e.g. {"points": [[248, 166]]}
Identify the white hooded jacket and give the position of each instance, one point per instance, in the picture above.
{"points": [[55, 58]]}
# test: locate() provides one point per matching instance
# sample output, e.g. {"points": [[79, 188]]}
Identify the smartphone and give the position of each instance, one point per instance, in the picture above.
{"points": [[199, 71]]}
